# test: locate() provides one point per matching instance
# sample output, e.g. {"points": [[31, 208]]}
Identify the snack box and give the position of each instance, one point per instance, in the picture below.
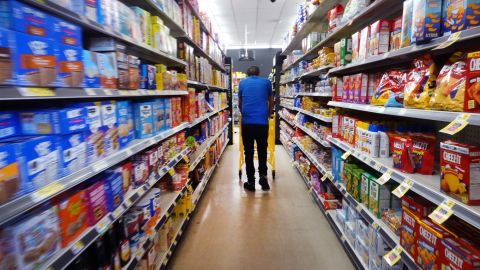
{"points": [[402, 159], [365, 188], [426, 20], [69, 66], [110, 126], [53, 121], [91, 8], [6, 61], [379, 37], [407, 19], [396, 34], [417, 205], [159, 115], [9, 124], [459, 15], [345, 51], [107, 67], [346, 88], [168, 113], [408, 232], [143, 17], [134, 72], [91, 71], [364, 45], [147, 77], [113, 189], [73, 153], [361, 88], [31, 241], [122, 69], [459, 171], [95, 133], [38, 60], [126, 132], [380, 198], [153, 161], [472, 83], [143, 119], [73, 216], [67, 33], [23, 18], [429, 241], [458, 254], [38, 159], [337, 88], [96, 201], [140, 169], [11, 184]]}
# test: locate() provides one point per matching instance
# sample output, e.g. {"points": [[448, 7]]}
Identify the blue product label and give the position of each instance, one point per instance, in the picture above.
{"points": [[73, 153], [67, 33], [90, 66]]}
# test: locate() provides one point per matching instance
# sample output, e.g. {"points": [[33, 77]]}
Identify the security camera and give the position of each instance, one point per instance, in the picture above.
{"points": [[273, 1]]}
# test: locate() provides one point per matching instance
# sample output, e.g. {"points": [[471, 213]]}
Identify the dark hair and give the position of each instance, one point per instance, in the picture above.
{"points": [[253, 71]]}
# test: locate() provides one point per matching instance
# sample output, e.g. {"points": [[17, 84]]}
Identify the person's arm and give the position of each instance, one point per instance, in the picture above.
{"points": [[270, 100]]}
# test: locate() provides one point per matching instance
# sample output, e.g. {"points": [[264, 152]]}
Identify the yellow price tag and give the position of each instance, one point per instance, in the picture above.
{"points": [[451, 39], [393, 256], [101, 226], [117, 212], [186, 159], [171, 171], [403, 188], [108, 92], [442, 212], [310, 190], [459, 123], [375, 225], [324, 177], [124, 92], [346, 154], [384, 178], [134, 92], [36, 92], [48, 191], [77, 247]]}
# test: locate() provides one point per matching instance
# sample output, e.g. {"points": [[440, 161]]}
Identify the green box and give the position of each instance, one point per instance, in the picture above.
{"points": [[345, 51], [365, 188], [357, 183], [380, 197]]}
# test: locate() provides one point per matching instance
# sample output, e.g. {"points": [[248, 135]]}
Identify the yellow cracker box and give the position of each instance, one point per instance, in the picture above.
{"points": [[426, 20], [459, 15]]}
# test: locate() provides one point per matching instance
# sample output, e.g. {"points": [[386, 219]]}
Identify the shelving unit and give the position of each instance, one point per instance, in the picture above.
{"points": [[316, 116]]}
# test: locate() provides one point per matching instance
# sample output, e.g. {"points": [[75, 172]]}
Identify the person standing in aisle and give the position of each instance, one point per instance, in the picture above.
{"points": [[255, 102]]}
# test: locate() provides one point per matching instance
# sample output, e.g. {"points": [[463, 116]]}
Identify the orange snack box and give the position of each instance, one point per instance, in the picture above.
{"points": [[429, 242], [472, 84], [73, 218], [460, 171], [408, 232], [458, 254]]}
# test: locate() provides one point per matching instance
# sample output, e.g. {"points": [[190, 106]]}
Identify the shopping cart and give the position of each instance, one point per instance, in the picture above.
{"points": [[270, 149]]}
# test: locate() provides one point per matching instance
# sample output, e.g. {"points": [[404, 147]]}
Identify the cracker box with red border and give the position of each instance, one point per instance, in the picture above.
{"points": [[429, 241], [472, 84], [457, 254], [408, 232]]}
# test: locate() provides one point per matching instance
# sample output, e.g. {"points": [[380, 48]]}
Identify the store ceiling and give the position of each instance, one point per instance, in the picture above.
{"points": [[267, 22]]}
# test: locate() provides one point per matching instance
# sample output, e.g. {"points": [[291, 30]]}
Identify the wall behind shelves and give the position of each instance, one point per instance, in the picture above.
{"points": [[263, 59]]}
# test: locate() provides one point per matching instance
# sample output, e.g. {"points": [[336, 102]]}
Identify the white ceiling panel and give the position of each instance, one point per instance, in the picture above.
{"points": [[267, 22]]}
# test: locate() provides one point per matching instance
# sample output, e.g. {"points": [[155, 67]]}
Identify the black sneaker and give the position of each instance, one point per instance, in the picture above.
{"points": [[264, 183], [249, 186]]}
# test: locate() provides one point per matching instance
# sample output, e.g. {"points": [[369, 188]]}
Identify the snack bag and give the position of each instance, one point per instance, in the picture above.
{"points": [[426, 20], [449, 94], [402, 160], [472, 84], [390, 90], [420, 82], [423, 154]]}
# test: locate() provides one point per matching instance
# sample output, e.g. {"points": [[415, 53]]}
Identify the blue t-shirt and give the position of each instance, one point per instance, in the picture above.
{"points": [[255, 92]]}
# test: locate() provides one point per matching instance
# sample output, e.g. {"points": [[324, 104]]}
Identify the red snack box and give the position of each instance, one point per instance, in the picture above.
{"points": [[127, 175], [379, 37], [429, 241], [396, 34], [346, 85], [459, 171], [401, 154], [457, 254], [337, 125], [472, 84], [417, 205], [361, 88], [408, 232], [153, 164], [337, 89], [96, 202], [73, 217]]}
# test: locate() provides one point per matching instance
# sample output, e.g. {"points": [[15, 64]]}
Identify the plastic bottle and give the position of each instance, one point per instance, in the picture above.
{"points": [[384, 145], [373, 140]]}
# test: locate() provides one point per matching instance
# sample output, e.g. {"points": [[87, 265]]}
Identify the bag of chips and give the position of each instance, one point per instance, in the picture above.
{"points": [[449, 94], [420, 82], [390, 90]]}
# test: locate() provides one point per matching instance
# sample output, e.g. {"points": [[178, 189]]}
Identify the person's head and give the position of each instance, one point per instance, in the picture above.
{"points": [[253, 71]]}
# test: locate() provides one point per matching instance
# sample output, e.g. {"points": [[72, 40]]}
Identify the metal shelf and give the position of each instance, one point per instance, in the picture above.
{"points": [[287, 121], [13, 209], [203, 53], [205, 85], [443, 116], [204, 150], [314, 136], [316, 116], [205, 117], [313, 94], [316, 72], [65, 256], [144, 51], [427, 186], [282, 96]]}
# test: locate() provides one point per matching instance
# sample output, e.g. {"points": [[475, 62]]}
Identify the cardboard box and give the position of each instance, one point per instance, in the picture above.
{"points": [[110, 126], [70, 66], [91, 71], [143, 17], [38, 65], [472, 83], [23, 18], [380, 197], [168, 113], [153, 161], [407, 19], [426, 20], [396, 34], [143, 119], [148, 77], [123, 70], [73, 217], [73, 153], [6, 60], [159, 115], [134, 72], [141, 169], [459, 171], [107, 65], [96, 201], [458, 15], [95, 134], [113, 190], [458, 254], [9, 125], [379, 37], [345, 51], [429, 241], [355, 46], [59, 121], [408, 232], [11, 184], [67, 33], [126, 132], [91, 8], [363, 48]]}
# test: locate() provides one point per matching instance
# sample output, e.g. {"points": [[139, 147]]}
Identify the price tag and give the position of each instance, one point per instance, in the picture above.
{"points": [[346, 154], [139, 254], [48, 191], [385, 55], [90, 91], [186, 159], [124, 92], [129, 152], [359, 208], [393, 256], [403, 188], [36, 92], [451, 39], [459, 123], [117, 212], [384, 178], [310, 190], [375, 225], [134, 93], [99, 166], [128, 202], [324, 177], [329, 175], [171, 171], [140, 191], [101, 226], [108, 92], [442, 212], [77, 247]]}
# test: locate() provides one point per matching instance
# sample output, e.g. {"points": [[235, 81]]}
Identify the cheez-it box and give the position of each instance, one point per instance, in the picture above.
{"points": [[472, 84], [429, 242], [458, 254], [408, 232]]}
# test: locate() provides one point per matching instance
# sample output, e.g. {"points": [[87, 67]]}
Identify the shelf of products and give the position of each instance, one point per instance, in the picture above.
{"points": [[206, 86], [313, 94], [197, 157]]}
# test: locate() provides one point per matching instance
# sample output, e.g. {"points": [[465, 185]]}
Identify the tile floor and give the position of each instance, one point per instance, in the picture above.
{"points": [[280, 229]]}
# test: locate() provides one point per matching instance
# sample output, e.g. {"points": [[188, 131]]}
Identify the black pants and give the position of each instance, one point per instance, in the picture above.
{"points": [[251, 134]]}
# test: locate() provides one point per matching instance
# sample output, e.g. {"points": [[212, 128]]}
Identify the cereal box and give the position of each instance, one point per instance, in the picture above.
{"points": [[379, 37], [73, 153], [159, 115], [346, 88], [110, 127], [73, 216], [96, 201], [460, 171], [143, 119], [11, 184], [140, 169], [459, 15], [70, 66], [6, 61], [396, 34], [25, 19], [380, 197], [126, 132], [107, 66], [143, 17], [91, 71], [364, 45], [426, 20], [67, 33], [123, 70], [407, 17], [355, 46], [134, 72], [365, 188], [472, 84], [95, 134], [408, 232], [51, 121], [429, 242], [113, 189], [458, 254], [423, 153]]}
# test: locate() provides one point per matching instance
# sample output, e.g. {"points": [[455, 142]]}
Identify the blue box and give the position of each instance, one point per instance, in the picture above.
{"points": [[38, 158], [69, 66], [143, 118], [159, 115], [113, 189], [126, 133], [95, 135], [9, 126], [426, 20], [110, 127], [59, 121], [11, 183], [67, 33], [23, 18], [90, 67], [147, 77], [73, 153], [6, 76], [168, 113]]}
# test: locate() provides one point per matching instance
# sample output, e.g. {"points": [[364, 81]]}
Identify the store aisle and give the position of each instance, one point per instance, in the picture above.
{"points": [[280, 229]]}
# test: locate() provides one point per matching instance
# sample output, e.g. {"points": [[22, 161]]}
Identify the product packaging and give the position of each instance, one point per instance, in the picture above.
{"points": [[408, 232], [134, 72], [147, 77], [91, 71], [73, 216], [107, 66], [96, 201], [472, 85], [126, 132], [379, 37], [460, 171], [355, 46], [73, 153], [70, 66], [402, 158], [390, 89], [364, 44], [95, 134], [113, 189], [396, 34], [407, 19], [6, 61], [429, 241], [23, 18], [11, 183], [123, 70], [143, 17], [361, 88], [345, 51], [143, 119], [140, 170], [420, 83], [67, 33], [53, 121], [158, 106], [423, 153], [110, 127], [380, 198], [426, 20], [459, 15], [458, 254], [334, 17]]}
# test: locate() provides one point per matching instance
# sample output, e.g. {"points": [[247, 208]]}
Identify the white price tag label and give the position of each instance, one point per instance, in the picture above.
{"points": [[117, 212], [442, 212], [108, 92], [459, 123], [90, 91], [346, 154], [101, 226], [384, 178], [402, 111], [77, 247], [99, 166], [393, 256], [403, 188], [324, 177]]}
